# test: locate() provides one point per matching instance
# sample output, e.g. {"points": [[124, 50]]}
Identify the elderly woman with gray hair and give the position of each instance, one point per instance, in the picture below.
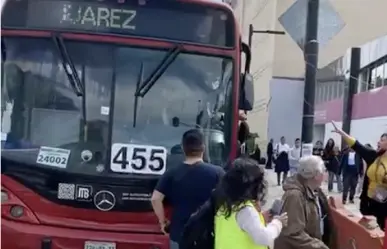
{"points": [[310, 225]]}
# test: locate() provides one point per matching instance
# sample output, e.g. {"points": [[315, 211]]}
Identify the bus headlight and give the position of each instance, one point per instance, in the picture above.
{"points": [[4, 197], [17, 211]]}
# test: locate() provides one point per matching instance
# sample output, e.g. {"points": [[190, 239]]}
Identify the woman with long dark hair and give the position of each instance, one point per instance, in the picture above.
{"points": [[329, 146], [332, 159], [373, 199], [239, 220]]}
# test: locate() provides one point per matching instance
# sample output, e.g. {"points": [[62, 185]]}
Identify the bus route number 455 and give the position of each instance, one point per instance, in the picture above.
{"points": [[138, 159]]}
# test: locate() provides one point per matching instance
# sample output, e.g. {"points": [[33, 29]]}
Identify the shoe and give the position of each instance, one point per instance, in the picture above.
{"points": [[344, 202], [352, 201]]}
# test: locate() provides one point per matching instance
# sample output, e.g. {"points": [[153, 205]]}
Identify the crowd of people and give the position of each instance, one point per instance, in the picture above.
{"points": [[223, 209]]}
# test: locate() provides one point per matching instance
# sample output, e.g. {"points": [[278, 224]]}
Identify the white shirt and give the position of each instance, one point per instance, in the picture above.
{"points": [[351, 158], [249, 221], [294, 156], [282, 148], [320, 215]]}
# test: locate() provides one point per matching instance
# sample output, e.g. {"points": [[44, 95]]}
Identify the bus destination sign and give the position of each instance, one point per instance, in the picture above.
{"points": [[172, 20]]}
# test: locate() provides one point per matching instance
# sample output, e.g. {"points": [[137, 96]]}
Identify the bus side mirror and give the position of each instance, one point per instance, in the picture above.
{"points": [[246, 92]]}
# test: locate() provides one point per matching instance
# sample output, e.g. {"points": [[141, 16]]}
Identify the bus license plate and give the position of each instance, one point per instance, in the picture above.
{"points": [[99, 245]]}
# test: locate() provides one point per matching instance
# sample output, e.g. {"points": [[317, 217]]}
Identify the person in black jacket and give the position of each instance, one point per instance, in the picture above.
{"points": [[332, 162], [270, 154], [318, 149], [351, 168], [373, 199], [257, 154]]}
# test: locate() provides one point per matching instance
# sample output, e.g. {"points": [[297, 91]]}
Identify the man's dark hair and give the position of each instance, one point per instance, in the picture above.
{"points": [[297, 139], [193, 142]]}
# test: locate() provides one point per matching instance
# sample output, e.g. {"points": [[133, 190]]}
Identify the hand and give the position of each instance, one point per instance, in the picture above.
{"points": [[267, 216], [242, 116], [283, 218], [335, 128], [163, 226]]}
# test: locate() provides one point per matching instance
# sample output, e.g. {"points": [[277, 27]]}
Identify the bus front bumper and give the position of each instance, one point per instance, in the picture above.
{"points": [[16, 235]]}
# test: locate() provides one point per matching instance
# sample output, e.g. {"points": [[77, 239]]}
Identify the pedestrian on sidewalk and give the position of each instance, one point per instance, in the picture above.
{"points": [[180, 186], [282, 160], [310, 225], [270, 154], [332, 159], [239, 220], [294, 157], [318, 149], [351, 168], [256, 155], [373, 199]]}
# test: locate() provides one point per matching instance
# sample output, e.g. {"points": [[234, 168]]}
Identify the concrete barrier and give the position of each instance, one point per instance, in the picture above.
{"points": [[355, 232]]}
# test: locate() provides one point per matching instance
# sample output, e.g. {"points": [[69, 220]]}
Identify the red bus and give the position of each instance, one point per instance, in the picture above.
{"points": [[96, 95]]}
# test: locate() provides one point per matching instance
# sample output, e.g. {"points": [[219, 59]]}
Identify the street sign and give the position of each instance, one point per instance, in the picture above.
{"points": [[294, 22]]}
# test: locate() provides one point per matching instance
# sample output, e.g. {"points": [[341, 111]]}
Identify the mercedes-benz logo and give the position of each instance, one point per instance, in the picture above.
{"points": [[104, 200]]}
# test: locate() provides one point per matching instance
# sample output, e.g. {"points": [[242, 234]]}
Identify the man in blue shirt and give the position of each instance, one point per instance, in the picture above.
{"points": [[351, 167], [186, 187]]}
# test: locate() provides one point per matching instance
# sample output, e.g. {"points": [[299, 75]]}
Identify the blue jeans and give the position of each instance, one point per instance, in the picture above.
{"points": [[173, 245], [331, 177]]}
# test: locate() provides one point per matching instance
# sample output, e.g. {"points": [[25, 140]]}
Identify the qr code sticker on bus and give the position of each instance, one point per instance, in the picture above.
{"points": [[66, 191]]}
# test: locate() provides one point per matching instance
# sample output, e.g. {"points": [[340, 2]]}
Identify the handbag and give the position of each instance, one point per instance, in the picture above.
{"points": [[380, 193]]}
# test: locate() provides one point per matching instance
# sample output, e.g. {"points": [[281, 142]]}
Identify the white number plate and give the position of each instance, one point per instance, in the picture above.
{"points": [[138, 159], [99, 245], [55, 157]]}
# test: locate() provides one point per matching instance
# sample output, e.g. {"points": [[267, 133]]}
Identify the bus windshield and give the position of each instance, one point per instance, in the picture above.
{"points": [[45, 123]]}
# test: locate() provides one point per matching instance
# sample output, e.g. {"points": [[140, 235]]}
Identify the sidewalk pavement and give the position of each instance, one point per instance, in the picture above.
{"points": [[275, 192]]}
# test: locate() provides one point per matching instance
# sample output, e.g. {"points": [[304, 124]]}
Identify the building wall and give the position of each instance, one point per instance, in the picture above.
{"points": [[279, 56], [261, 14], [367, 130], [369, 113], [364, 22], [285, 109], [370, 99]]}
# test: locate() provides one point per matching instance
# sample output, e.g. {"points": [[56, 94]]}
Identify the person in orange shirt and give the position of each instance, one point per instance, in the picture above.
{"points": [[373, 199]]}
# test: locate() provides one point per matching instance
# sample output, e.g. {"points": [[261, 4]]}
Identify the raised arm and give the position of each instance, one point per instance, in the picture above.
{"points": [[369, 155]]}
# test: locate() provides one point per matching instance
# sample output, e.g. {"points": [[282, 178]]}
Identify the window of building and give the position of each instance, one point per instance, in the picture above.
{"points": [[363, 80], [379, 75], [340, 90], [324, 92], [372, 79], [329, 89], [385, 73]]}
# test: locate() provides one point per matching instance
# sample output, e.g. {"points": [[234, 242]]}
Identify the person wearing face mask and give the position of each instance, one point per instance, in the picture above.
{"points": [[373, 199], [310, 224]]}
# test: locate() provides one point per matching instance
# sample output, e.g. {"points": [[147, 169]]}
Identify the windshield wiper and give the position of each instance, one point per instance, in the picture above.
{"points": [[72, 74], [146, 85], [143, 87], [68, 65], [136, 96]]}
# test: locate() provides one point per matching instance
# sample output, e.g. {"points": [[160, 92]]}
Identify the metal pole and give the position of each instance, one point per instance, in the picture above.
{"points": [[311, 60], [251, 33], [350, 86]]}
